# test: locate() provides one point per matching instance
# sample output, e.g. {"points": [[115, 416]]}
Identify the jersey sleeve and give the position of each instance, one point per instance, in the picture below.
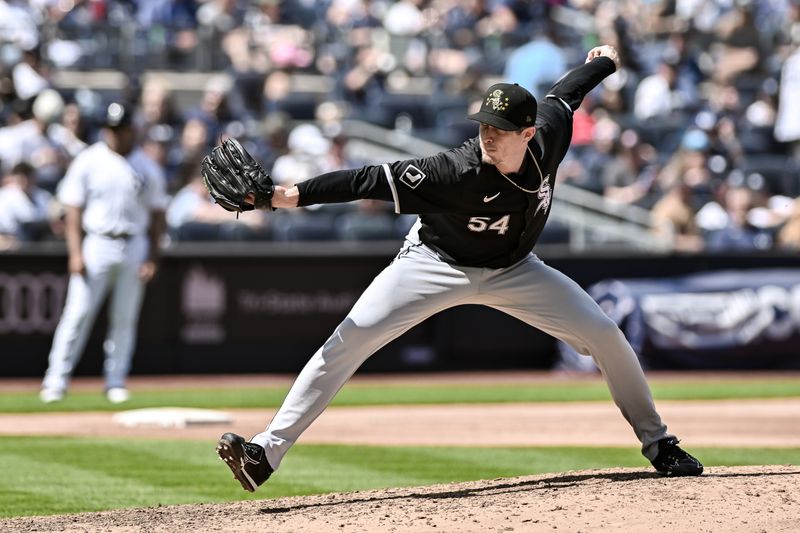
{"points": [[554, 117], [426, 185], [577, 83], [345, 186], [553, 127], [72, 188], [422, 185]]}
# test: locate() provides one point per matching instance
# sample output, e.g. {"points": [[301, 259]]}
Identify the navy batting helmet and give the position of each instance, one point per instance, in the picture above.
{"points": [[117, 116]]}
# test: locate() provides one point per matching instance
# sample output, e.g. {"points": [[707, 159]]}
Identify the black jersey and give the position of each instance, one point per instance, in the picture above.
{"points": [[471, 213]]}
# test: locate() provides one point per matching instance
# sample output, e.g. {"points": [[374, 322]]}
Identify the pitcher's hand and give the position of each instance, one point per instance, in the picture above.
{"points": [[604, 51]]}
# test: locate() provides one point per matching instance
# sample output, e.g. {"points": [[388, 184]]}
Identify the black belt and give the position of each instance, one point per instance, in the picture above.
{"points": [[118, 236]]}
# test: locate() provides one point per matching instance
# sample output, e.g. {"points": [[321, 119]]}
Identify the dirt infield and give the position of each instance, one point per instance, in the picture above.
{"points": [[740, 423], [730, 500]]}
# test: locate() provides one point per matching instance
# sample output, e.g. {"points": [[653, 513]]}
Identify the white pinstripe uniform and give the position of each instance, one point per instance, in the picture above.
{"points": [[117, 195]]}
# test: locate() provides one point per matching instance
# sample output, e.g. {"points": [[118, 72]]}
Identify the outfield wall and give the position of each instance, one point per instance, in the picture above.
{"points": [[224, 308]]}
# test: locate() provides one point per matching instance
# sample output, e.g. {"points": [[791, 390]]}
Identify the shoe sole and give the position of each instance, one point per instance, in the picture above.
{"points": [[51, 397], [51, 400], [231, 451], [118, 397], [673, 473]]}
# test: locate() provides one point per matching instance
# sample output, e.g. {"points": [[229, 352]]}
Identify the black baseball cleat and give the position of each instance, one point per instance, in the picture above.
{"points": [[673, 461], [246, 460]]}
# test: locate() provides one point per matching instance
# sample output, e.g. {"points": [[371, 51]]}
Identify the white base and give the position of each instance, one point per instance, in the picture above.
{"points": [[177, 417]]}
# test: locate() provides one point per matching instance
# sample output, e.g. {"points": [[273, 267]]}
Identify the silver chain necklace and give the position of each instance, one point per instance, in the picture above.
{"points": [[541, 176]]}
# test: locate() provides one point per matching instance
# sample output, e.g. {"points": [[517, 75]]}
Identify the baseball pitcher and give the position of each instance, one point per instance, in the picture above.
{"points": [[481, 208]]}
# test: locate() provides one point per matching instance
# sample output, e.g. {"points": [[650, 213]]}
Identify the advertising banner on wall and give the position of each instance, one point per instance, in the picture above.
{"points": [[219, 310], [218, 304], [206, 314], [742, 319]]}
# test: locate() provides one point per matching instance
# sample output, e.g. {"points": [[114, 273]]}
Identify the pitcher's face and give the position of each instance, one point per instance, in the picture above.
{"points": [[502, 146]]}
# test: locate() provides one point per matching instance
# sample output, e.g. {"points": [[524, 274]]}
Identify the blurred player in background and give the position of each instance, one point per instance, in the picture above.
{"points": [[114, 198]]}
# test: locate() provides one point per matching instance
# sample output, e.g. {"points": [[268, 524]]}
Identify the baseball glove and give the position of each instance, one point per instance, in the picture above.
{"points": [[230, 174]]}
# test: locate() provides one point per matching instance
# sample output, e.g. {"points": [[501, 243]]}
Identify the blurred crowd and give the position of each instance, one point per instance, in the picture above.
{"points": [[701, 126]]}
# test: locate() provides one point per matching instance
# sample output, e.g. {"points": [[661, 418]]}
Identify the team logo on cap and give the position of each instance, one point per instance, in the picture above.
{"points": [[497, 100], [412, 176]]}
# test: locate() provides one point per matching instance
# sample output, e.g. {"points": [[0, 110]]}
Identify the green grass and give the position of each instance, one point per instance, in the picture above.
{"points": [[67, 475], [390, 394]]}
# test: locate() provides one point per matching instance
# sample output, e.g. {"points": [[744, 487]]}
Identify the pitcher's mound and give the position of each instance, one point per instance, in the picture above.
{"points": [[729, 499]]}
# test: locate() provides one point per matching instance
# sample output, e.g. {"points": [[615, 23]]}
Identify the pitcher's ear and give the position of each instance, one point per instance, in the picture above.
{"points": [[528, 133]]}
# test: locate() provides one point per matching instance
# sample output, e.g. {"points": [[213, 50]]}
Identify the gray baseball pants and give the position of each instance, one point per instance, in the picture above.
{"points": [[418, 285]]}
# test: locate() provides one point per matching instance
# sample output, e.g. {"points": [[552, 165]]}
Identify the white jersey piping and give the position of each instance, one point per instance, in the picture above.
{"points": [[569, 109], [392, 186]]}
